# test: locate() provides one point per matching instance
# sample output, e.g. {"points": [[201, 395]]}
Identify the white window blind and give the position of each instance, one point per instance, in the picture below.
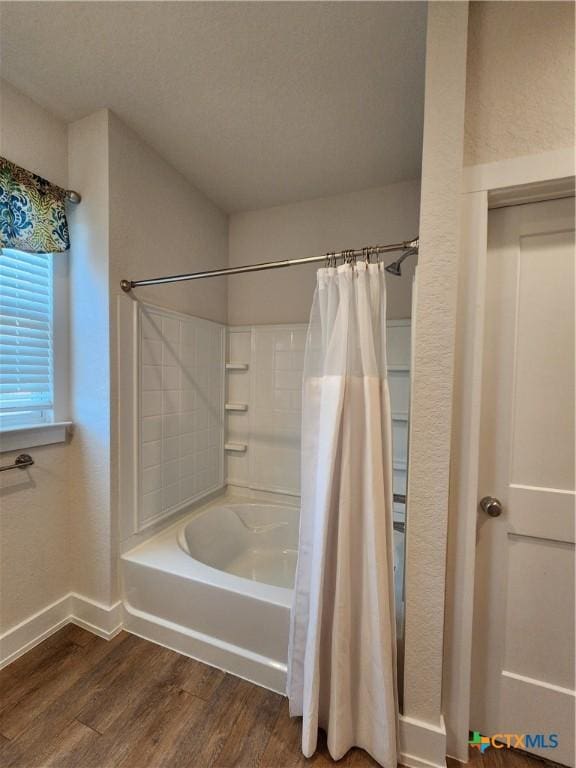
{"points": [[26, 338]]}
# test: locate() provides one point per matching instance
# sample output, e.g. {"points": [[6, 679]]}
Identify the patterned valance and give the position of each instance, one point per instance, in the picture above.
{"points": [[32, 212]]}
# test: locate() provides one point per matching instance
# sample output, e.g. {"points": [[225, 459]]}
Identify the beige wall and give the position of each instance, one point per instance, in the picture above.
{"points": [[313, 227], [161, 225], [34, 530], [433, 325], [32, 137], [142, 218], [520, 79], [90, 517], [138, 217]]}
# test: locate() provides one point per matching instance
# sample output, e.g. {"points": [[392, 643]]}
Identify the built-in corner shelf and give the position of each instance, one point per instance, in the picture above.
{"points": [[236, 406], [237, 366], [236, 447]]}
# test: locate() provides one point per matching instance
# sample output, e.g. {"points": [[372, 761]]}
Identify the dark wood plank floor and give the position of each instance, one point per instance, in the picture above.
{"points": [[77, 701], [502, 758]]}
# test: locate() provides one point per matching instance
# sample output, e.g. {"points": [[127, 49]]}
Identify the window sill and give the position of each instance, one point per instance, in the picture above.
{"points": [[33, 435]]}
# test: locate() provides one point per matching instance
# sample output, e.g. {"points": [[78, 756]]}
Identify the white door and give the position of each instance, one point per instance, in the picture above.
{"points": [[523, 648]]}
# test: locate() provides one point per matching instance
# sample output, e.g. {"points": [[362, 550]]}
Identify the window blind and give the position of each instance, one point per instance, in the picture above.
{"points": [[26, 311]]}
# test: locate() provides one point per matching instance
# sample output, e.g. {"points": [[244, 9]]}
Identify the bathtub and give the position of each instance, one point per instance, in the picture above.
{"points": [[217, 586]]}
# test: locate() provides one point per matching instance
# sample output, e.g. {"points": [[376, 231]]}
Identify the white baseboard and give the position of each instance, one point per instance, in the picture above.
{"points": [[422, 745], [102, 620], [34, 629]]}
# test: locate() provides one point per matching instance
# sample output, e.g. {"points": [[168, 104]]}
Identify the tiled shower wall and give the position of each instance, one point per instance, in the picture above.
{"points": [[181, 421], [184, 427], [271, 389], [264, 440]]}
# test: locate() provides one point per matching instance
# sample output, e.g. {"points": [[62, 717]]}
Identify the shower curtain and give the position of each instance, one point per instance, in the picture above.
{"points": [[342, 650]]}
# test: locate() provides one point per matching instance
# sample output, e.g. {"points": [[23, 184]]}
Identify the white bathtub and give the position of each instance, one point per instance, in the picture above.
{"points": [[218, 586]]}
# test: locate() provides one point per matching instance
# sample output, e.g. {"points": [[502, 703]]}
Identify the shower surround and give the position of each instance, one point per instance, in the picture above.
{"points": [[208, 574], [181, 426], [270, 384], [211, 523]]}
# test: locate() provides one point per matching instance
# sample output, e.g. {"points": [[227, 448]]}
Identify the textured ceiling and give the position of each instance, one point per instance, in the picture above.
{"points": [[257, 104]]}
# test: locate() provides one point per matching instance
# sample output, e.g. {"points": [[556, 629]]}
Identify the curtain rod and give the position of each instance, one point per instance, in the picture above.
{"points": [[69, 194], [408, 247]]}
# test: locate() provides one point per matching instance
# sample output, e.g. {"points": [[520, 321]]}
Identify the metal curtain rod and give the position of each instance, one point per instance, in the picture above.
{"points": [[70, 195], [408, 247]]}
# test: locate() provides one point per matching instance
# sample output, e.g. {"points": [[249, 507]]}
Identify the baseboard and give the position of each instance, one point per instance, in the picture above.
{"points": [[422, 745], [34, 629], [209, 650], [102, 620]]}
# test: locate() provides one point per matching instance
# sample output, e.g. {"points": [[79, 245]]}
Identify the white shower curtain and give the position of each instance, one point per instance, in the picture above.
{"points": [[342, 654]]}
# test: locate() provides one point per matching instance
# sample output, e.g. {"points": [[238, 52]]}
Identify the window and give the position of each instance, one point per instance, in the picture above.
{"points": [[26, 339]]}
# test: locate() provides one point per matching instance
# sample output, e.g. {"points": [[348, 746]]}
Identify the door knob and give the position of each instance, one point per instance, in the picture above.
{"points": [[491, 506]]}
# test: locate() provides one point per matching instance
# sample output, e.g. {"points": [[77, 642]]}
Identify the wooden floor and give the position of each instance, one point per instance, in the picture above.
{"points": [[81, 702], [502, 758]]}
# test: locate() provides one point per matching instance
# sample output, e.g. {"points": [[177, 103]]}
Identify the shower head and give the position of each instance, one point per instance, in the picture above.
{"points": [[395, 268]]}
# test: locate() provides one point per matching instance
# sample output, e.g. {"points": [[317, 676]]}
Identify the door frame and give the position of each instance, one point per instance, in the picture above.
{"points": [[532, 178]]}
